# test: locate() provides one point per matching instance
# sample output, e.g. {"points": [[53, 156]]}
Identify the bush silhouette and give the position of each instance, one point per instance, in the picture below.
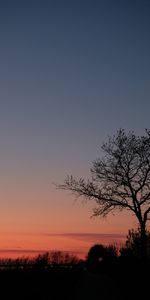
{"points": [[132, 248], [100, 256]]}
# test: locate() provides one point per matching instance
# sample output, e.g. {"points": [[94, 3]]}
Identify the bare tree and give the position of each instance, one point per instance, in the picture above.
{"points": [[120, 179]]}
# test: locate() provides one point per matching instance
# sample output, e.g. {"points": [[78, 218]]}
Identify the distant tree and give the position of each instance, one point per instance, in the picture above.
{"points": [[100, 255], [62, 258], [119, 180], [55, 258]]}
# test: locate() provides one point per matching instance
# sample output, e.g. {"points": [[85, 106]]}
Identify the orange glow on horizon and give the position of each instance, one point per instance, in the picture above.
{"points": [[34, 219], [75, 243]]}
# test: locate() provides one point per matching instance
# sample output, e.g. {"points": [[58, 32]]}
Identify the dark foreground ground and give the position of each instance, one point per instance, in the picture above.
{"points": [[123, 282]]}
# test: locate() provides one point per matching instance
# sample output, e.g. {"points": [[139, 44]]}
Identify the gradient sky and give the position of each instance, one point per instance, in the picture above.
{"points": [[71, 73]]}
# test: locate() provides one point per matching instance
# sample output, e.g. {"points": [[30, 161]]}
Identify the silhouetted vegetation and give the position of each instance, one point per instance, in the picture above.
{"points": [[100, 257], [132, 248], [106, 274], [119, 180], [51, 275], [47, 259]]}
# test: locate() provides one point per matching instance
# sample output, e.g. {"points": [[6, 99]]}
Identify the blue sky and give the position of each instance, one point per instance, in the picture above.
{"points": [[71, 73]]}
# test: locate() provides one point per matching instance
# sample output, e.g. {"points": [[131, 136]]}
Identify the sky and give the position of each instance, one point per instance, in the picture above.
{"points": [[71, 73]]}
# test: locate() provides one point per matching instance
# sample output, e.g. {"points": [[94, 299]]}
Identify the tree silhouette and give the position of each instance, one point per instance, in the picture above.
{"points": [[120, 179], [100, 255]]}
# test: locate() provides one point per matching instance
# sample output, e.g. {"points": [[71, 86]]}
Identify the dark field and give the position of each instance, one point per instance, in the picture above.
{"points": [[127, 281]]}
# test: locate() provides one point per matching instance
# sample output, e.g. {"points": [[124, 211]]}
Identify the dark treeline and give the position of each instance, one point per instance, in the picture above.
{"points": [[98, 255], [47, 259], [106, 273]]}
